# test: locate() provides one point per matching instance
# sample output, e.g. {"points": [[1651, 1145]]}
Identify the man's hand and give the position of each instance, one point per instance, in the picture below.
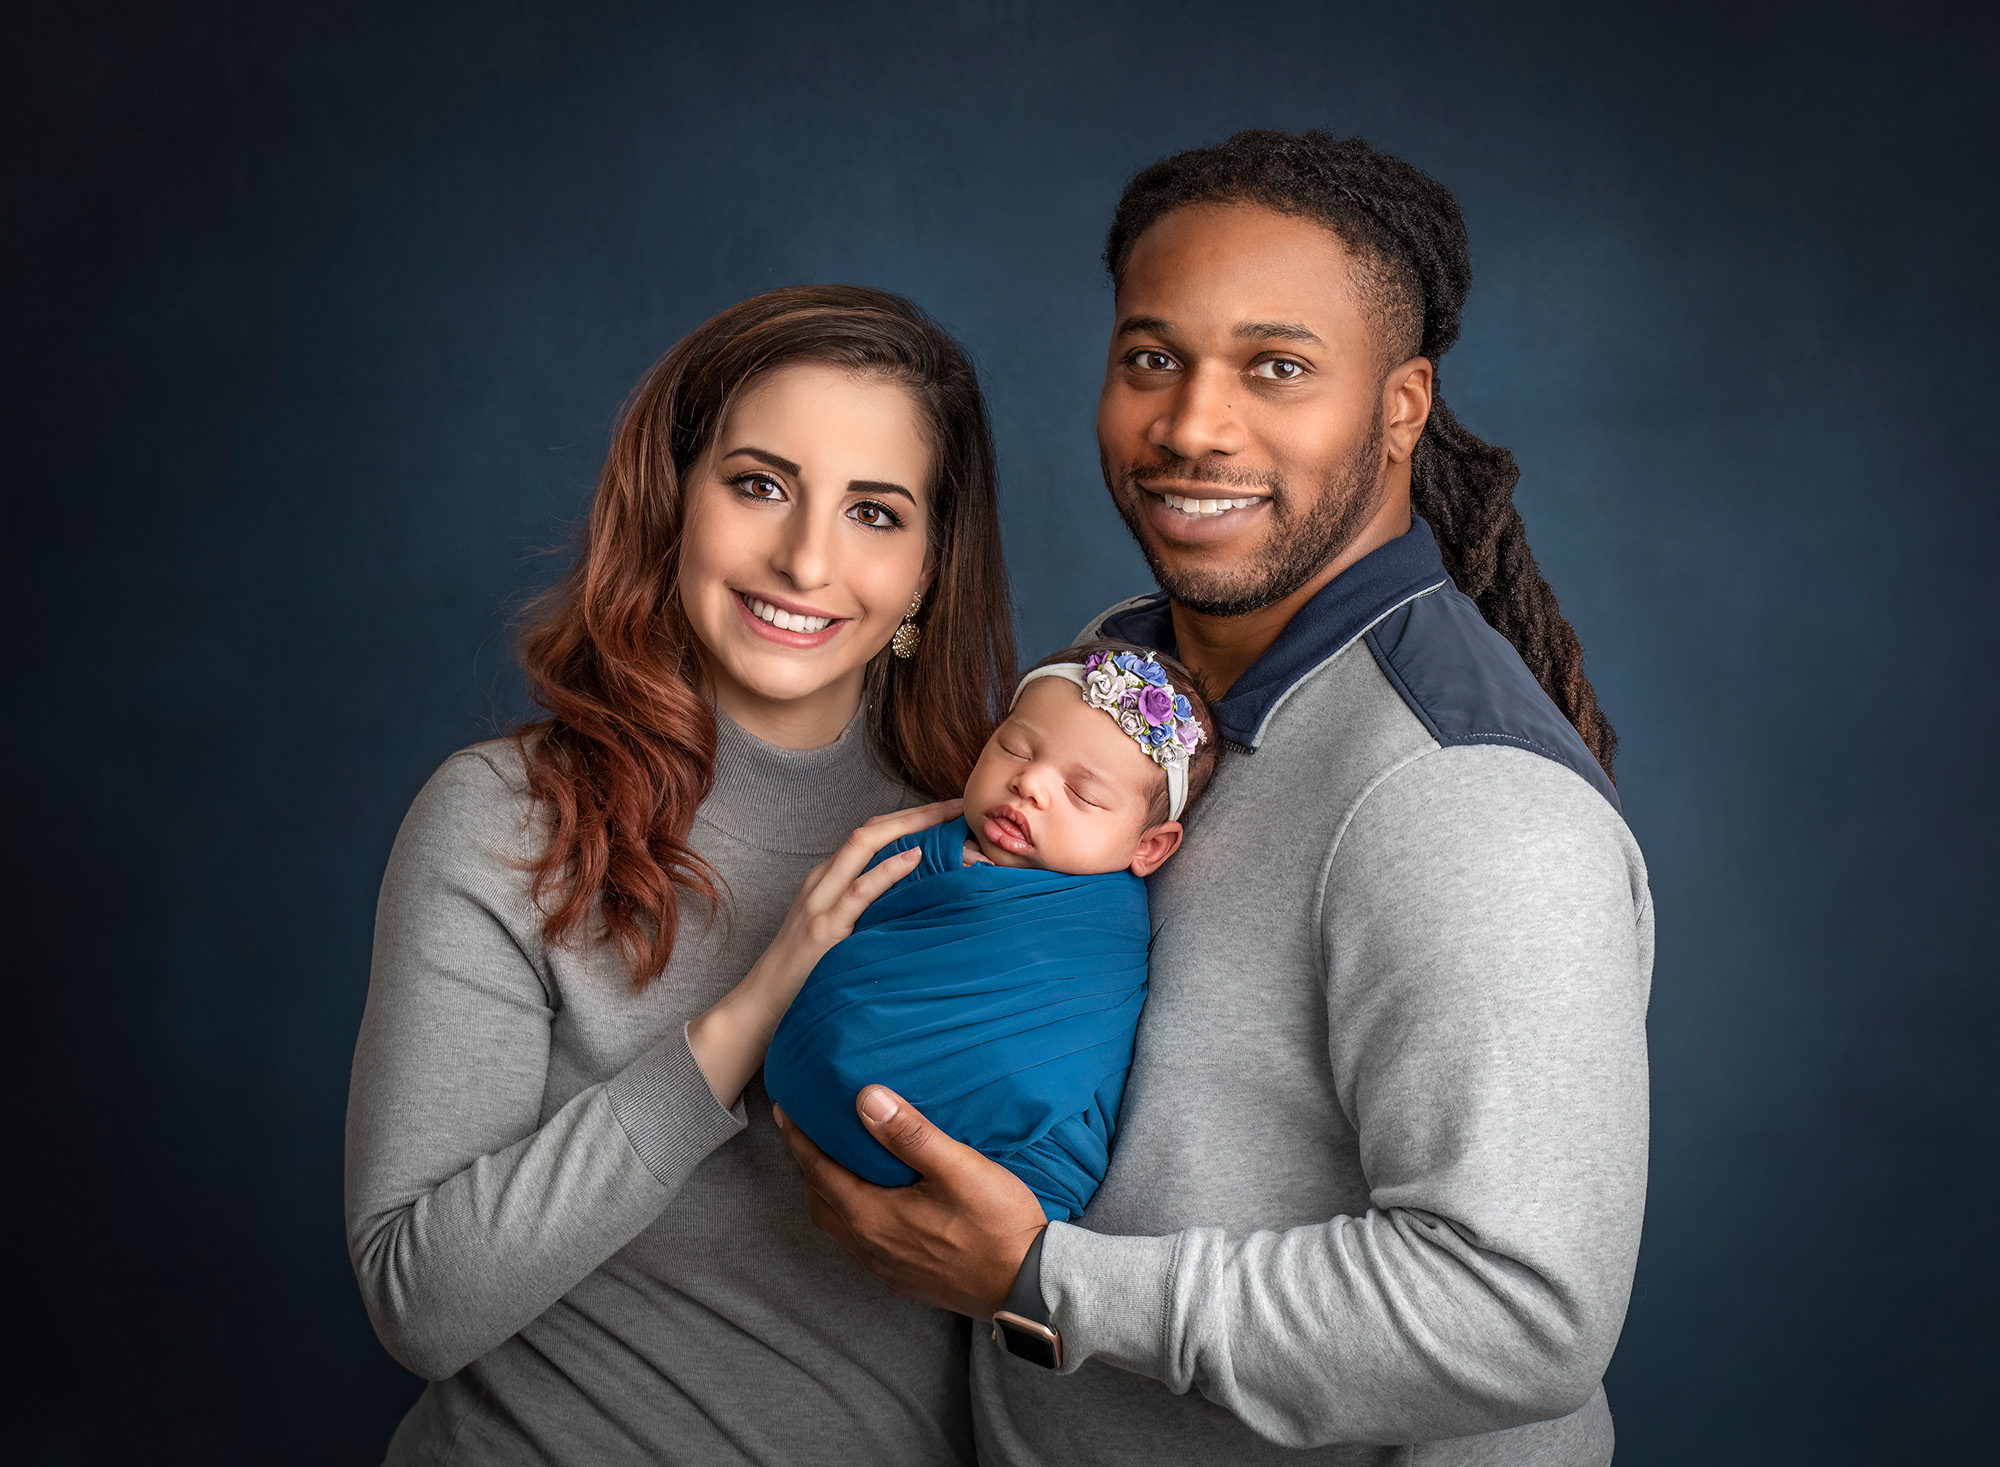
{"points": [[954, 1239]]}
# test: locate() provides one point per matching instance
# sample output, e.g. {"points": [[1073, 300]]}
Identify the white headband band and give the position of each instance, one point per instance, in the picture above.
{"points": [[1177, 784]]}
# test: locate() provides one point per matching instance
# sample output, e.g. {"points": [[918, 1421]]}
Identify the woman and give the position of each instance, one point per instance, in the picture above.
{"points": [[566, 1201]]}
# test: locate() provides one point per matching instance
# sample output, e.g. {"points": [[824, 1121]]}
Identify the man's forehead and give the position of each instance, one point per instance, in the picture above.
{"points": [[1241, 271]]}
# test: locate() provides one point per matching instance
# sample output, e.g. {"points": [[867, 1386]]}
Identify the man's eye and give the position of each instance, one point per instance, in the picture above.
{"points": [[1278, 369], [1147, 360], [876, 516]]}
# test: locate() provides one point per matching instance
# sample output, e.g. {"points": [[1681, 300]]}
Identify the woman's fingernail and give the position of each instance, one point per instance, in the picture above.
{"points": [[876, 1104]]}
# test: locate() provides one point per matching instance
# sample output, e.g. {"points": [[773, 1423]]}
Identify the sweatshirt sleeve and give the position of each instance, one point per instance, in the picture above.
{"points": [[1487, 942], [467, 1215]]}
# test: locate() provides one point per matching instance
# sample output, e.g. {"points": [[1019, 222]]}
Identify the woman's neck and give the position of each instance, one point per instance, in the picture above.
{"points": [[809, 722]]}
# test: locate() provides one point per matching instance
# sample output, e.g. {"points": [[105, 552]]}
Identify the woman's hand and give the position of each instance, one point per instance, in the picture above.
{"points": [[729, 1039]]}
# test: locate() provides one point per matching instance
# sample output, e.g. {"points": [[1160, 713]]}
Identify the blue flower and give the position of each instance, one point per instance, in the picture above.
{"points": [[1126, 662], [1151, 672], [1183, 710]]}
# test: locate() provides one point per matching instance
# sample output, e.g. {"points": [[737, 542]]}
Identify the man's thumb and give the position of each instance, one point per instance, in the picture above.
{"points": [[896, 1124]]}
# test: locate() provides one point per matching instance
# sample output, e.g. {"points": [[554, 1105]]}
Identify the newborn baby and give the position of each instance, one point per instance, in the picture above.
{"points": [[997, 987]]}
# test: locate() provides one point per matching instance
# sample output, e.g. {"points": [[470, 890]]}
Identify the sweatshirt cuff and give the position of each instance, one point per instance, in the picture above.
{"points": [[670, 1116], [1109, 1298]]}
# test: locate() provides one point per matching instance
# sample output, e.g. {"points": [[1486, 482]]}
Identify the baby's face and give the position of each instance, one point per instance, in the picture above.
{"points": [[1061, 787]]}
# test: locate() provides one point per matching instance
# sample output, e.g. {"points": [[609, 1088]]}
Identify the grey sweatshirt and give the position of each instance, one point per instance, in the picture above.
{"points": [[1381, 1161], [549, 1214]]}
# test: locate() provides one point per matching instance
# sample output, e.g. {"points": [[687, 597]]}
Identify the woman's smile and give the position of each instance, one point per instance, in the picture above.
{"points": [[786, 623]]}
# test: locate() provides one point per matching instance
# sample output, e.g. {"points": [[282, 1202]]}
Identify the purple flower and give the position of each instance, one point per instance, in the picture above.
{"points": [[1189, 734], [1157, 704]]}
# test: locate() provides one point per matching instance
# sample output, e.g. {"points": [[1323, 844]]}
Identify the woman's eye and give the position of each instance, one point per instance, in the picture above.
{"points": [[760, 486], [875, 516], [1148, 360], [1278, 369]]}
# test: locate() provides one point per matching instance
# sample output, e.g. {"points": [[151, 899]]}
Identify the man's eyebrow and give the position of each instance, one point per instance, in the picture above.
{"points": [[879, 486], [1278, 331], [1145, 326], [766, 457]]}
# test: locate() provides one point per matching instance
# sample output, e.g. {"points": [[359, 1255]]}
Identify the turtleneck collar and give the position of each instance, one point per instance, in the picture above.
{"points": [[797, 801]]}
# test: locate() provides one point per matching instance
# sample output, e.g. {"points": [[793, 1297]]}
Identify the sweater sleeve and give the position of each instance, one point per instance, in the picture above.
{"points": [[467, 1215], [1487, 941]]}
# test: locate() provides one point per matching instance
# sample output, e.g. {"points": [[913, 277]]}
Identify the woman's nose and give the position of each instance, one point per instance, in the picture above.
{"points": [[804, 553]]}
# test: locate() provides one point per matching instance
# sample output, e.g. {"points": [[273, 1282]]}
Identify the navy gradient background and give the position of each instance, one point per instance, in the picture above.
{"points": [[315, 321]]}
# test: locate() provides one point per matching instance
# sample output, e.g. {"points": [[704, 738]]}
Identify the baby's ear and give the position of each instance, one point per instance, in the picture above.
{"points": [[1155, 845]]}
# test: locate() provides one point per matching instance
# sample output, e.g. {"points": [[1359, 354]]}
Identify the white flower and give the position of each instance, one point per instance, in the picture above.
{"points": [[1132, 723], [1102, 687]]}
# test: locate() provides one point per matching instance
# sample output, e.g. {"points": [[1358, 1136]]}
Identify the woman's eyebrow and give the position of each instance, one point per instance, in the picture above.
{"points": [[878, 486], [766, 457]]}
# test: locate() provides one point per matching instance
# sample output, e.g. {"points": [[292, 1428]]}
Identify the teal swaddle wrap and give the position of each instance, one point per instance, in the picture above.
{"points": [[1001, 1003]]}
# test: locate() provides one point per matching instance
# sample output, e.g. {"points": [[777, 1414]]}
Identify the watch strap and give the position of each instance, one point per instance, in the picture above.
{"points": [[1025, 1298], [1023, 1324]]}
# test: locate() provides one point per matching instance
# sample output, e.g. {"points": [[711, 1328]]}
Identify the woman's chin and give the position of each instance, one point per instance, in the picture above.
{"points": [[783, 681]]}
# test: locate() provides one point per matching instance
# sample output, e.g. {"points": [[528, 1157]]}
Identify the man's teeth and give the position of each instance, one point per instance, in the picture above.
{"points": [[786, 621], [1205, 506]]}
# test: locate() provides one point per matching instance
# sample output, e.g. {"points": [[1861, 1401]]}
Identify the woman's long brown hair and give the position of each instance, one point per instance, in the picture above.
{"points": [[627, 752]]}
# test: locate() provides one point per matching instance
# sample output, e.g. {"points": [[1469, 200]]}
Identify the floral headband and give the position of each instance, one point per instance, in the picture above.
{"points": [[1135, 691]]}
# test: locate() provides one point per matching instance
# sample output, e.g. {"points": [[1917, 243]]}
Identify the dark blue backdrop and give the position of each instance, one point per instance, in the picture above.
{"points": [[315, 322]]}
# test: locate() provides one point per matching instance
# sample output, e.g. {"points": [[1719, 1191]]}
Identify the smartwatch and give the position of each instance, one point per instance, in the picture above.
{"points": [[1022, 1324]]}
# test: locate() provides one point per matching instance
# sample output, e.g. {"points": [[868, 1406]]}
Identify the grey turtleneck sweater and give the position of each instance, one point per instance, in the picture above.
{"points": [[549, 1214]]}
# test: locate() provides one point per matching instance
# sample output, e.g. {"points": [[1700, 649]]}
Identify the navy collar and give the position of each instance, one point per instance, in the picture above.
{"points": [[1339, 611]]}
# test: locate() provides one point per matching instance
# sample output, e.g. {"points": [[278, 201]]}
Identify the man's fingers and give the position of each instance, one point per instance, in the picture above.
{"points": [[823, 1175]]}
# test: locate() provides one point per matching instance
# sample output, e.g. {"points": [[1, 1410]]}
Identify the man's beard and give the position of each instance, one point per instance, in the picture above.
{"points": [[1300, 542]]}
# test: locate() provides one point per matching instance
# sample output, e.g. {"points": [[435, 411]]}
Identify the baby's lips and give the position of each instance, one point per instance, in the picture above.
{"points": [[1004, 826]]}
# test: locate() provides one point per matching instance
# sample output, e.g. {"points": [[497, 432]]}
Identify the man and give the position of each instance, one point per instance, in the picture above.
{"points": [[1381, 1163]]}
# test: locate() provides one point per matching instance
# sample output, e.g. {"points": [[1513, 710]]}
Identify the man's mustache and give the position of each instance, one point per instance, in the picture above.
{"points": [[1194, 471]]}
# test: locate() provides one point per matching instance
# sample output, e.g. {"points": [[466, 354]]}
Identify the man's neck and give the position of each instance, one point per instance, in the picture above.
{"points": [[1221, 648]]}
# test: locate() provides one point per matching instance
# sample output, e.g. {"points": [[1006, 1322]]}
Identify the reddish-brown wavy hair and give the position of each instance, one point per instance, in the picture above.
{"points": [[627, 752]]}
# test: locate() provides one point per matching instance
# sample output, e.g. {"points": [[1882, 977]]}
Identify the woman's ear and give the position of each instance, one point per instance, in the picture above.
{"points": [[1158, 843]]}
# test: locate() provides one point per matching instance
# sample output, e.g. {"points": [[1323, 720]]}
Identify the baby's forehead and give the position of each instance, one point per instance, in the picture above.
{"points": [[1053, 710]]}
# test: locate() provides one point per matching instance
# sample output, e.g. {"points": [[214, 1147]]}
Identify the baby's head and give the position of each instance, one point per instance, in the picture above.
{"points": [[1084, 773]]}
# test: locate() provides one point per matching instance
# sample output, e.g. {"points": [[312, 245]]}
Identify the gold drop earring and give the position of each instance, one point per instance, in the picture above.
{"points": [[904, 643]]}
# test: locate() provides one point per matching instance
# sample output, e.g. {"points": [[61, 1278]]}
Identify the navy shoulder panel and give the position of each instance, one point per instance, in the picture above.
{"points": [[1469, 686]]}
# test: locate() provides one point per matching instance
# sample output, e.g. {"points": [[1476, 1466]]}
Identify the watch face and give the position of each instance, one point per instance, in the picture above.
{"points": [[1035, 1343]]}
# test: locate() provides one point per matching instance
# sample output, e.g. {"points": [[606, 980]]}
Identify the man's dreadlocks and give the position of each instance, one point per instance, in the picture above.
{"points": [[1414, 268]]}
